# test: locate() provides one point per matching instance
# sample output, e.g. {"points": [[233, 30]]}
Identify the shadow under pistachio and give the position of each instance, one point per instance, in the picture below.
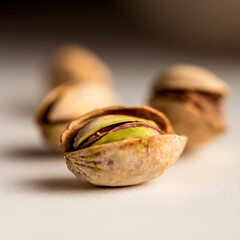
{"points": [[59, 185], [64, 185], [31, 154]]}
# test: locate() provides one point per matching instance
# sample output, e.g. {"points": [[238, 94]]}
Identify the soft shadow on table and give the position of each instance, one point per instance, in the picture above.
{"points": [[59, 185], [66, 185], [31, 154]]}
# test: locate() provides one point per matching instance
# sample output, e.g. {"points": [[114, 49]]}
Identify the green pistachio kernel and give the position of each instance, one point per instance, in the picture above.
{"points": [[124, 134], [95, 125]]}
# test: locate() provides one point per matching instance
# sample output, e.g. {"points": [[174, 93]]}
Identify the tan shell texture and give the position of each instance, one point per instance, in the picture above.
{"points": [[186, 118], [126, 162], [189, 121], [190, 77], [75, 63], [70, 101]]}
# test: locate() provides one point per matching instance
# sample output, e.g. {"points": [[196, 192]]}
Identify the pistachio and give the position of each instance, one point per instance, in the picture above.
{"points": [[191, 97], [119, 146], [67, 102], [75, 63]]}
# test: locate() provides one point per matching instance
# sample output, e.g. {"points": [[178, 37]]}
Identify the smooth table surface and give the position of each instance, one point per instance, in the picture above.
{"points": [[197, 198]]}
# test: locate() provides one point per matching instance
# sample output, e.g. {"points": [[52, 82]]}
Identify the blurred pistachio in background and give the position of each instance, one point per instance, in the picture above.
{"points": [[192, 98], [82, 83], [76, 63]]}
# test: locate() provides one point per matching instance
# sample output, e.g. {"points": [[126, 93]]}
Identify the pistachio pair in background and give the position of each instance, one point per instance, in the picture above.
{"points": [[82, 83], [192, 98]]}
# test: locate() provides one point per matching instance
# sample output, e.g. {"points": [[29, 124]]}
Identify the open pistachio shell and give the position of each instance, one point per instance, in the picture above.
{"points": [[75, 63], [124, 162], [190, 77], [67, 102], [199, 117]]}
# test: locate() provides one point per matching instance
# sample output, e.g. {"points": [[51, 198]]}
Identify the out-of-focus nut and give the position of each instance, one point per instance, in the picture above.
{"points": [[191, 97], [75, 63], [67, 102]]}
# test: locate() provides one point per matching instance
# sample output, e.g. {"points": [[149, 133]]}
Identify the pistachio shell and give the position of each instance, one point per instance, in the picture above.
{"points": [[189, 121], [190, 77], [78, 64], [70, 101], [191, 97], [125, 162]]}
